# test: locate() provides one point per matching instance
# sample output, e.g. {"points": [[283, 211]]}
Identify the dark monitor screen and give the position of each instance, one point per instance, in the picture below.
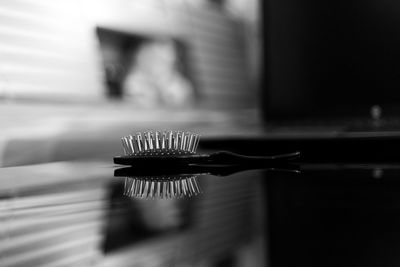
{"points": [[331, 58]]}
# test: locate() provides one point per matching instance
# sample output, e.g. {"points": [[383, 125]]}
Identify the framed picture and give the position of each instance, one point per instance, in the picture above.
{"points": [[148, 71]]}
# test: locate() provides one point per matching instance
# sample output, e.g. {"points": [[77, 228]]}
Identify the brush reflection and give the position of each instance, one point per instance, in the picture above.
{"points": [[181, 180], [162, 187]]}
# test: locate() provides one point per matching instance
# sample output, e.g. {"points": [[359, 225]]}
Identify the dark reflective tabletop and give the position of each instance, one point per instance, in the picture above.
{"points": [[80, 214]]}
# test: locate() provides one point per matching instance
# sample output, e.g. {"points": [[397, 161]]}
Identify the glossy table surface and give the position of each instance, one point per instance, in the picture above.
{"points": [[79, 214]]}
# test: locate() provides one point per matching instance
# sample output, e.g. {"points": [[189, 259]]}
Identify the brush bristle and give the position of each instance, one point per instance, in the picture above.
{"points": [[160, 143], [167, 187]]}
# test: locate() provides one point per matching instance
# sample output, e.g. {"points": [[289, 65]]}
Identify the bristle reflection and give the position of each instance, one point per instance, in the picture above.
{"points": [[165, 187]]}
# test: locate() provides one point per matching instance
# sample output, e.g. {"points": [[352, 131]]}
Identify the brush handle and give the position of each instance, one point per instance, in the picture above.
{"points": [[217, 158], [230, 158]]}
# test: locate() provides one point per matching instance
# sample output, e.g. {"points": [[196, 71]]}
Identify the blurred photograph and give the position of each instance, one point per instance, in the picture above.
{"points": [[201, 133]]}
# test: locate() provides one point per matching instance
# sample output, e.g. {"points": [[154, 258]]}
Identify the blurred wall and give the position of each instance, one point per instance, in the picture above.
{"points": [[49, 49]]}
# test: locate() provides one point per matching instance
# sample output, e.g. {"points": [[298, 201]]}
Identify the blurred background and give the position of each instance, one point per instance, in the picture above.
{"points": [[77, 75], [250, 76]]}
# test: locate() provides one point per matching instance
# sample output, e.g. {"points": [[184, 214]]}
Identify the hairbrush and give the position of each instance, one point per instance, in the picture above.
{"points": [[179, 148], [179, 181]]}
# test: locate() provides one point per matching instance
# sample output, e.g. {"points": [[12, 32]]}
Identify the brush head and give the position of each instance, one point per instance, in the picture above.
{"points": [[160, 143], [154, 149], [161, 186]]}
